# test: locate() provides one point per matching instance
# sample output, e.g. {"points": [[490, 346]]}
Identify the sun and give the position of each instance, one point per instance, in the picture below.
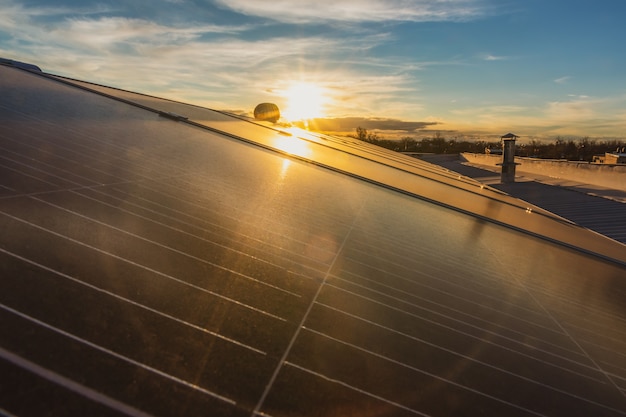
{"points": [[304, 101]]}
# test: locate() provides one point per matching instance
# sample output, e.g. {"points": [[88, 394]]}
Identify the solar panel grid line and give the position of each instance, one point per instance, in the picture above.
{"points": [[194, 225], [49, 174], [579, 345], [423, 302], [361, 391], [146, 291], [334, 387], [71, 385], [117, 355], [420, 271], [450, 351], [293, 205], [204, 231], [570, 291], [479, 309], [159, 351], [532, 330], [398, 362], [457, 275], [90, 166], [563, 303], [415, 268], [408, 249], [614, 365], [48, 190], [411, 260], [180, 252], [151, 270], [209, 219], [568, 333], [404, 296], [410, 252], [425, 279], [31, 395], [174, 197], [51, 168], [132, 302], [35, 170], [83, 140], [515, 346], [300, 325], [23, 174], [412, 369], [602, 346], [39, 150], [500, 309], [477, 295], [523, 336], [235, 213], [600, 329], [620, 380]]}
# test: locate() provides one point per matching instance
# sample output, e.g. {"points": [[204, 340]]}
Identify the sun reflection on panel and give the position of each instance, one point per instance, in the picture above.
{"points": [[293, 146]]}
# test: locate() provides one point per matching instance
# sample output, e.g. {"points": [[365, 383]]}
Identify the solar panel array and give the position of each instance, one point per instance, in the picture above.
{"points": [[211, 266]]}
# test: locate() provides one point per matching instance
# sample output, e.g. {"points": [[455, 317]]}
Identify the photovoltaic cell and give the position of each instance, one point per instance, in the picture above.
{"points": [[210, 265]]}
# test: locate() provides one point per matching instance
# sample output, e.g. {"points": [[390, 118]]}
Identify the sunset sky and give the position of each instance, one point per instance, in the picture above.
{"points": [[466, 68]]}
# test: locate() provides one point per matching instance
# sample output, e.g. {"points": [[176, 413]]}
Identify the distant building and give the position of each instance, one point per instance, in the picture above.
{"points": [[610, 158]]}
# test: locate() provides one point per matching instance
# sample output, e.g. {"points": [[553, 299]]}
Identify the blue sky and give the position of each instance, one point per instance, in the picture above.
{"points": [[465, 68]]}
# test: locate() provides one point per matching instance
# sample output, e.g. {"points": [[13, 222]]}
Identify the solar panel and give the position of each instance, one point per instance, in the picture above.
{"points": [[164, 259]]}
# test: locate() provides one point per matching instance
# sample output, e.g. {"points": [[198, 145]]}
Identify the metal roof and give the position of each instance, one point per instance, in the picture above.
{"points": [[159, 258], [597, 208]]}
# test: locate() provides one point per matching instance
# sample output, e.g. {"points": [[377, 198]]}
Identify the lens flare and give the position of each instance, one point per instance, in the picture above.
{"points": [[304, 101]]}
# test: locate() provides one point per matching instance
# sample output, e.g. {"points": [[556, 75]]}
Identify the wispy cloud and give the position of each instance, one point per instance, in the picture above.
{"points": [[349, 124], [490, 57], [211, 64], [573, 110], [303, 11], [245, 52], [578, 116], [563, 80]]}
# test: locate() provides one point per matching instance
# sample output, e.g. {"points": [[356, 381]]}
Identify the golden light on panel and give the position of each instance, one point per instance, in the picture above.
{"points": [[293, 146]]}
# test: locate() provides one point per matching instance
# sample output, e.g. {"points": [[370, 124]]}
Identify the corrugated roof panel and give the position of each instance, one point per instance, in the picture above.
{"points": [[153, 267]]}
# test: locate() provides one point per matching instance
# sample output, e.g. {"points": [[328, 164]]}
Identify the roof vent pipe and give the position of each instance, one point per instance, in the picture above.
{"points": [[508, 158]]}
